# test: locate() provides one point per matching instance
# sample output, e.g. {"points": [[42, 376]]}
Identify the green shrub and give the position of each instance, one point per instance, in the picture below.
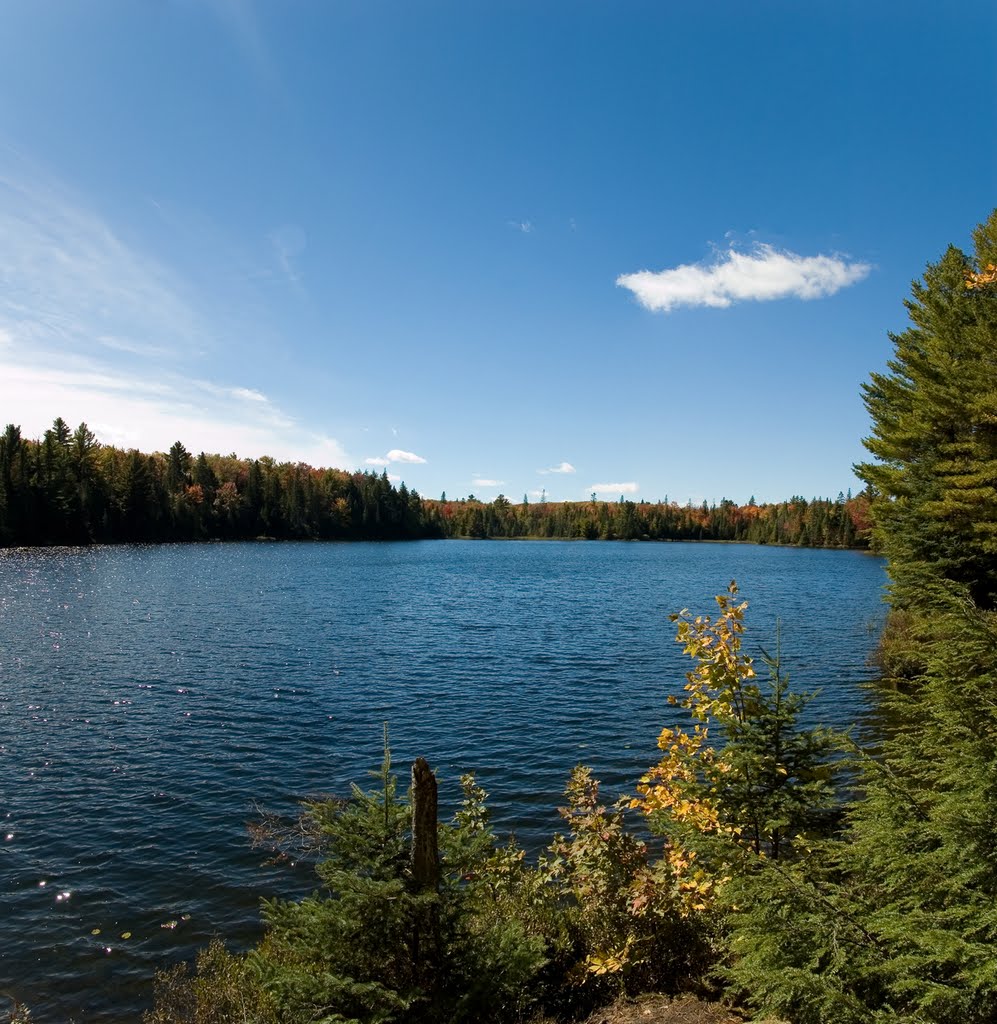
{"points": [[222, 990], [372, 947]]}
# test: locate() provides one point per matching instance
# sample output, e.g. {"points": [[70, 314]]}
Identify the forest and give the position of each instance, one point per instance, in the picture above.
{"points": [[788, 870], [68, 488]]}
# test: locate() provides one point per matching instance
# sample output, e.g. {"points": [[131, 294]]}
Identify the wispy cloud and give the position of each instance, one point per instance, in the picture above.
{"points": [[93, 329], [630, 487], [131, 346], [761, 275], [525, 226], [134, 412], [288, 242], [67, 279], [564, 467], [479, 481], [248, 395], [395, 455]]}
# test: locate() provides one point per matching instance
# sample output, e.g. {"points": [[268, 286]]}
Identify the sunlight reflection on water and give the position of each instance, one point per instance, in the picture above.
{"points": [[150, 694]]}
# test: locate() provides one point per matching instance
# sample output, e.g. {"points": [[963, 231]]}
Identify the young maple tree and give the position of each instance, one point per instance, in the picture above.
{"points": [[745, 782]]}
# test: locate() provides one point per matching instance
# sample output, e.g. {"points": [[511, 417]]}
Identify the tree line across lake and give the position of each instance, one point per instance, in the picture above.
{"points": [[68, 488]]}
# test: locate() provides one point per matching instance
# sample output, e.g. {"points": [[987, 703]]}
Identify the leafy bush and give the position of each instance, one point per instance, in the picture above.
{"points": [[762, 787], [620, 903], [223, 989]]}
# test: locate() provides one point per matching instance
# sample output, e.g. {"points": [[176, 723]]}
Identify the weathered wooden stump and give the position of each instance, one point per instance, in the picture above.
{"points": [[425, 845], [425, 877]]}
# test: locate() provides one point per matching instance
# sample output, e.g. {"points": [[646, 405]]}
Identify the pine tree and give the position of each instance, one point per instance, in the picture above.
{"points": [[895, 920], [934, 415], [360, 951]]}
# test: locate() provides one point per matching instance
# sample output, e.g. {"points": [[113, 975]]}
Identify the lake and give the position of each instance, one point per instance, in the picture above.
{"points": [[150, 695]]}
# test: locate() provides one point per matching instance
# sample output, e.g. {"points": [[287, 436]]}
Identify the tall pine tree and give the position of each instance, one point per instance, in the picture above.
{"points": [[934, 436]]}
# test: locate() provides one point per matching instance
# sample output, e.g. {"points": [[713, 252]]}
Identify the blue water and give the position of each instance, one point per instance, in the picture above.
{"points": [[149, 695]]}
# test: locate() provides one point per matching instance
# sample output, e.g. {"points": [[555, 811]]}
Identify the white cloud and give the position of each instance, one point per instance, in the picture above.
{"points": [[135, 348], [259, 406], [564, 467], [66, 279], [249, 395], [91, 329], [626, 488], [484, 482], [131, 412], [525, 226], [761, 275], [397, 455]]}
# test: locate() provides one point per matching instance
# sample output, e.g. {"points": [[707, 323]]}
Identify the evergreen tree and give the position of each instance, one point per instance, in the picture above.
{"points": [[934, 415], [177, 468], [14, 496], [360, 951], [90, 498], [895, 920]]}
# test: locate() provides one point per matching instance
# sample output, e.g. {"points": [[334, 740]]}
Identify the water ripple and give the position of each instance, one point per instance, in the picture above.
{"points": [[149, 695]]}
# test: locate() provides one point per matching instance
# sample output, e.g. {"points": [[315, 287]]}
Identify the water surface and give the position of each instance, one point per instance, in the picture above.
{"points": [[149, 695]]}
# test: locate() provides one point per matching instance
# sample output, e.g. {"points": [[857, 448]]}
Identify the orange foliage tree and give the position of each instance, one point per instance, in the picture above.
{"points": [[742, 782]]}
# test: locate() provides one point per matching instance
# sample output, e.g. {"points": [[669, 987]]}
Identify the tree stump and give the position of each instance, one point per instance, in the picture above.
{"points": [[425, 845]]}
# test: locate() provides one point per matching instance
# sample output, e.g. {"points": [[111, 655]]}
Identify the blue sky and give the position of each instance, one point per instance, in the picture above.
{"points": [[640, 248]]}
